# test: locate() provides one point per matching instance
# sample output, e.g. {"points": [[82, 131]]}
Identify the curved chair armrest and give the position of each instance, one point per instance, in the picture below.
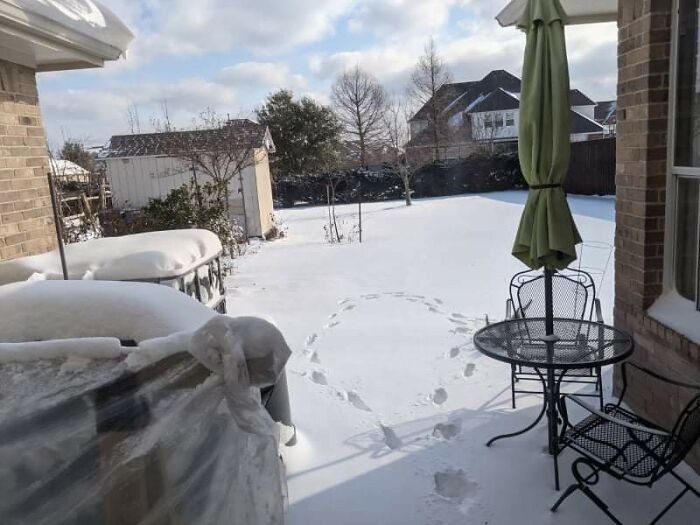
{"points": [[611, 419], [599, 312]]}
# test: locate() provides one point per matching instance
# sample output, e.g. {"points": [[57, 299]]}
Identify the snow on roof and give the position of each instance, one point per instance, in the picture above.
{"points": [[48, 310], [61, 167], [53, 35], [155, 255], [241, 131]]}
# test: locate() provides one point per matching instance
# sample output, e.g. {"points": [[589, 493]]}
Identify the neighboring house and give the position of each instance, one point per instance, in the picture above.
{"points": [[149, 166], [36, 37], [486, 113], [606, 116]]}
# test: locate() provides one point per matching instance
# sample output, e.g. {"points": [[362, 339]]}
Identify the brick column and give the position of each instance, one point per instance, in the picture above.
{"points": [[26, 224], [643, 93]]}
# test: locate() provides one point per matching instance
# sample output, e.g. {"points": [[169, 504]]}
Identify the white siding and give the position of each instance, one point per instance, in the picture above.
{"points": [[136, 180]]}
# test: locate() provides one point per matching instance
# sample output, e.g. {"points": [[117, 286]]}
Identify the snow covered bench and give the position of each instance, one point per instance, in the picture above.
{"points": [[187, 260], [169, 431]]}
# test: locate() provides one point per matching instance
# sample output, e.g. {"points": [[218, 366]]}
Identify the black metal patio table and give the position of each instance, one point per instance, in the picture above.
{"points": [[575, 344]]}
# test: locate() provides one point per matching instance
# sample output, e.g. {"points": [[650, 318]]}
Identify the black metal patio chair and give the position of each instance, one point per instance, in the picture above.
{"points": [[628, 447], [574, 297]]}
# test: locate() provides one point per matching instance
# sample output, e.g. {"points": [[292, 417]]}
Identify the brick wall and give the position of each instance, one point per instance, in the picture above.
{"points": [[643, 92], [26, 226]]}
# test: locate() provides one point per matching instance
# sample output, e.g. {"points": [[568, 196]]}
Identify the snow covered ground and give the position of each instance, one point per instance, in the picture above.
{"points": [[392, 402]]}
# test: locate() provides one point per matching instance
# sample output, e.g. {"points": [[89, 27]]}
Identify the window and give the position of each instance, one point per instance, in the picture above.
{"points": [[488, 121], [499, 120], [684, 183], [510, 119]]}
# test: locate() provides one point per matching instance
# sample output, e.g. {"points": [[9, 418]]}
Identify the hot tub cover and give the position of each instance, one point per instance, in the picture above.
{"points": [[170, 432], [145, 256]]}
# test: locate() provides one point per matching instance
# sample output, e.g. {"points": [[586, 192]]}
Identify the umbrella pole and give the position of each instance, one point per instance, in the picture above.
{"points": [[548, 301]]}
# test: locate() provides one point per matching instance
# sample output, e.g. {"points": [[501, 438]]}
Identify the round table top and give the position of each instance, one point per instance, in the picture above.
{"points": [[576, 344]]}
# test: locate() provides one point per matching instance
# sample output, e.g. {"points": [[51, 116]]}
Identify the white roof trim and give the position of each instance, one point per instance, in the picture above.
{"points": [[578, 11], [51, 35]]}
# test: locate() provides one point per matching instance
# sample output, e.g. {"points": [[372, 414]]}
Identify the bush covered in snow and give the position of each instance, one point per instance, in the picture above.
{"points": [[481, 172], [193, 205]]}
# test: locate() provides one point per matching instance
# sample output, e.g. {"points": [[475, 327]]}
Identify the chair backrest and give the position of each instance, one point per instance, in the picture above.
{"points": [[573, 294]]}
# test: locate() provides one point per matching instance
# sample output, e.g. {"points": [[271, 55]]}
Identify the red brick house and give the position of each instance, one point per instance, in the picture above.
{"points": [[56, 36], [657, 251]]}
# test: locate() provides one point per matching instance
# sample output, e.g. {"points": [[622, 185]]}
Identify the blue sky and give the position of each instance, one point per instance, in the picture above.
{"points": [[229, 54]]}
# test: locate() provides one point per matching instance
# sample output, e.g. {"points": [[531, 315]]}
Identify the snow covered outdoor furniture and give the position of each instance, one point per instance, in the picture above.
{"points": [[169, 431], [188, 260], [574, 296], [627, 447]]}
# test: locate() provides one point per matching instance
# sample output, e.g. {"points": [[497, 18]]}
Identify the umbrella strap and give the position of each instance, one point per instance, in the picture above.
{"points": [[545, 186]]}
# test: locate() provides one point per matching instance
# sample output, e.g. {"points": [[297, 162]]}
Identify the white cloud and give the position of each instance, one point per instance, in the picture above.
{"points": [[266, 75], [185, 27], [392, 19]]}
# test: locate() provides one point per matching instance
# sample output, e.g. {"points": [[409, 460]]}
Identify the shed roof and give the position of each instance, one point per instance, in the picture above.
{"points": [[241, 132]]}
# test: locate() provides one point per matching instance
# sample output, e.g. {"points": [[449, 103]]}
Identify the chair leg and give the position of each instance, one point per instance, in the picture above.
{"points": [[600, 504], [599, 388], [668, 507], [568, 492], [512, 385]]}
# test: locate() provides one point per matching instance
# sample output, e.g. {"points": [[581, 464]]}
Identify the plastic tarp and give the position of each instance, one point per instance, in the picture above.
{"points": [[171, 432]]}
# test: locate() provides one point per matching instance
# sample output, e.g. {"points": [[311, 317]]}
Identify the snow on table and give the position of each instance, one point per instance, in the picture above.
{"points": [[153, 255], [392, 402]]}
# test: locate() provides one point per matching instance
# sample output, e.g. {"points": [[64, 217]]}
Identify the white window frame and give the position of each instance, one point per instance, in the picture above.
{"points": [[674, 173], [488, 120], [498, 120], [510, 116]]}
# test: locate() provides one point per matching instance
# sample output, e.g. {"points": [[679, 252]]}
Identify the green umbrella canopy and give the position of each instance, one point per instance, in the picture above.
{"points": [[547, 235]]}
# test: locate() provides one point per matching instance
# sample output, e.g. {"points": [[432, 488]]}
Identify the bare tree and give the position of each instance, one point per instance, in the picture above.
{"points": [[132, 118], [429, 77], [396, 133], [163, 122], [360, 102], [219, 150]]}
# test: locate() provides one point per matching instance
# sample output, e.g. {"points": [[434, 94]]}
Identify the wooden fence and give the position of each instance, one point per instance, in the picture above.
{"points": [[592, 168]]}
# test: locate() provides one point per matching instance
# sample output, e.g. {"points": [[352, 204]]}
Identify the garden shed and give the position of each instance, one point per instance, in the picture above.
{"points": [[149, 166]]}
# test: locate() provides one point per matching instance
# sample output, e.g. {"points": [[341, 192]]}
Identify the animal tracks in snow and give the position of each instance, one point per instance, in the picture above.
{"points": [[391, 440], [454, 485]]}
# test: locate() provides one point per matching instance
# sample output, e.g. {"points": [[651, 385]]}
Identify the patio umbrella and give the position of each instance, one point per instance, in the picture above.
{"points": [[547, 236]]}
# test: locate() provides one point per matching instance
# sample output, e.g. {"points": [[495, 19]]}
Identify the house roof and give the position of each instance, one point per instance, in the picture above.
{"points": [[445, 95], [583, 125], [606, 112], [60, 34], [578, 98], [498, 100], [242, 132], [456, 97]]}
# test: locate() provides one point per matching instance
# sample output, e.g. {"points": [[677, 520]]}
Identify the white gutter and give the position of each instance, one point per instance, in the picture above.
{"points": [[61, 34]]}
